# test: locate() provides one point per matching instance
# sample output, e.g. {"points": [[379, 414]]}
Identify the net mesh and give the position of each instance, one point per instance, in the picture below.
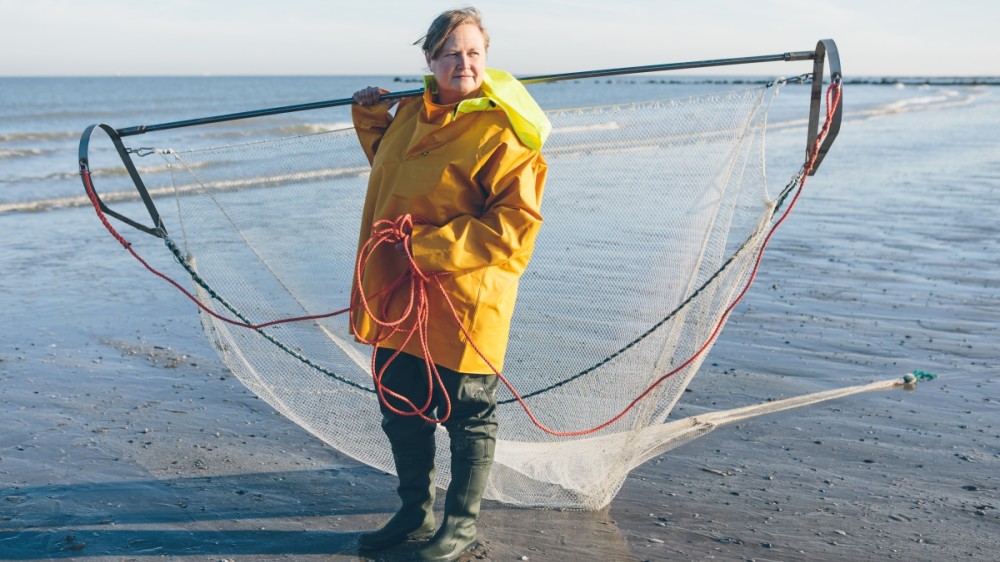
{"points": [[654, 213]]}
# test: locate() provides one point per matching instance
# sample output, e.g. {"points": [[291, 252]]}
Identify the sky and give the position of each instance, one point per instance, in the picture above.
{"points": [[334, 37]]}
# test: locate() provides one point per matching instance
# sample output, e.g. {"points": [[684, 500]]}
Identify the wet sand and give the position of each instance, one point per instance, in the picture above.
{"points": [[126, 439]]}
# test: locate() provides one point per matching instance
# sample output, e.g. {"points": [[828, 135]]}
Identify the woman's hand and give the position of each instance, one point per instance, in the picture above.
{"points": [[370, 96]]}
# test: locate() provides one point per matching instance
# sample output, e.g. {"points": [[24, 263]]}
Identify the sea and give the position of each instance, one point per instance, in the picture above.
{"points": [[915, 153], [43, 118]]}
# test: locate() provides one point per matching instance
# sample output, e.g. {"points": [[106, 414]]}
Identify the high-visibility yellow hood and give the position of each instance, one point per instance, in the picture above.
{"points": [[504, 91]]}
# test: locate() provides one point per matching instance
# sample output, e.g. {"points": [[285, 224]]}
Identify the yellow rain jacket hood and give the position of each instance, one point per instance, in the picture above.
{"points": [[474, 173], [507, 93]]}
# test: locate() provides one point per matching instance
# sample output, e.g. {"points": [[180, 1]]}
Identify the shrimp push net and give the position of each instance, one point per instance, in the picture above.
{"points": [[654, 216]]}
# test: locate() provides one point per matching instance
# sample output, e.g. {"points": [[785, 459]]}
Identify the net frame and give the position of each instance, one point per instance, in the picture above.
{"points": [[547, 456]]}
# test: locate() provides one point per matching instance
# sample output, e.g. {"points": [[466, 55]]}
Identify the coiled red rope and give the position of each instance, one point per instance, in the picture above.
{"points": [[413, 320]]}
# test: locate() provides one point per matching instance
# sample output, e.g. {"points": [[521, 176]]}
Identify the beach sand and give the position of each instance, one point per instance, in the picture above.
{"points": [[125, 438]]}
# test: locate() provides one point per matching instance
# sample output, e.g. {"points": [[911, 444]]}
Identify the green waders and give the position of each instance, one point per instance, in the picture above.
{"points": [[472, 430], [471, 459], [414, 458]]}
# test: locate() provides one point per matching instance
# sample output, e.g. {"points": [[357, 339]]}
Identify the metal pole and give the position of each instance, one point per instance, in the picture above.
{"points": [[784, 57], [826, 51]]}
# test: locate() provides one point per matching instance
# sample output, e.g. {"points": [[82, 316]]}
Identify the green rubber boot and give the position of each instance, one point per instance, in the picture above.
{"points": [[415, 519], [470, 472]]}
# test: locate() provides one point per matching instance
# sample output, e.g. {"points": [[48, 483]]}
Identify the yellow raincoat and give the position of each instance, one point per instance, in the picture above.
{"points": [[473, 171]]}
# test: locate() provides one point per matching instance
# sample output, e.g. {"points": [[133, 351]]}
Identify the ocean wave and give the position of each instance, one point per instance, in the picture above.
{"points": [[941, 100], [70, 201], [38, 136], [282, 130], [53, 176], [151, 170], [52, 203], [901, 106], [118, 171], [39, 205], [314, 128], [606, 126], [23, 153]]}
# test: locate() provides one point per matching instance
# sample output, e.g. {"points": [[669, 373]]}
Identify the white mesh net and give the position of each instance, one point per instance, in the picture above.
{"points": [[654, 213]]}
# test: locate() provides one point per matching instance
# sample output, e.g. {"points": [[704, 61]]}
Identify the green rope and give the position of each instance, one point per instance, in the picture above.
{"points": [[912, 378]]}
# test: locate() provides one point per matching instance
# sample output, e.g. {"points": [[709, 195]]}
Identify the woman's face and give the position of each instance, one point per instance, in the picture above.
{"points": [[459, 67]]}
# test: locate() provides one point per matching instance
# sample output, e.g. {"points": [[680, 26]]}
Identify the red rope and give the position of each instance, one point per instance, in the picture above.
{"points": [[415, 318], [397, 233]]}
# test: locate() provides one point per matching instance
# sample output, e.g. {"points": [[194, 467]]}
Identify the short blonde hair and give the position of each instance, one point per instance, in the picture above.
{"points": [[444, 24]]}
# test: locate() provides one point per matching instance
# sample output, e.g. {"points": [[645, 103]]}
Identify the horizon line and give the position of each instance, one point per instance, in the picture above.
{"points": [[417, 76]]}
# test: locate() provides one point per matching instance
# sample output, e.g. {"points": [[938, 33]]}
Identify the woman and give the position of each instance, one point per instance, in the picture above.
{"points": [[464, 161]]}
